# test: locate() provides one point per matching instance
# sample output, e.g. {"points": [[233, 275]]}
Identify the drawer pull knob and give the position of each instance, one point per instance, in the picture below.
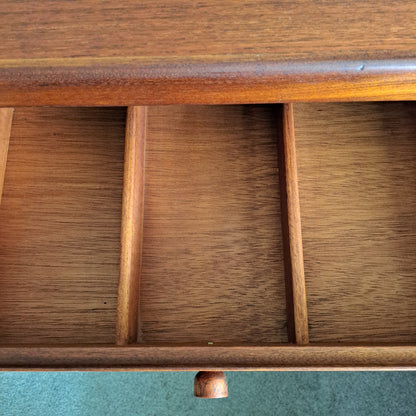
{"points": [[210, 385]]}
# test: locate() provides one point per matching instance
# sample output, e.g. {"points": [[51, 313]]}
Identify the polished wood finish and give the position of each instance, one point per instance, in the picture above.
{"points": [[295, 276], [6, 116], [209, 358], [131, 227], [182, 51], [357, 185], [210, 385], [60, 226], [212, 267], [221, 80]]}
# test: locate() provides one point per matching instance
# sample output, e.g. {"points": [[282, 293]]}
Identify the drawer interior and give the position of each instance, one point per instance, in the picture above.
{"points": [[357, 187], [212, 260], [212, 268], [60, 226], [216, 257]]}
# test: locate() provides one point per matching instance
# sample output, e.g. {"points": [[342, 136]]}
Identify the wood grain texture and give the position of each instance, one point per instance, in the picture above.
{"points": [[131, 227], [357, 184], [62, 29], [194, 358], [291, 334], [212, 266], [181, 51], [60, 226], [6, 116], [291, 224]]}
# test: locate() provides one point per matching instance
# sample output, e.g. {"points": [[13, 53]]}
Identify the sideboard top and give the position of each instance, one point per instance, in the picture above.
{"points": [[184, 51]]}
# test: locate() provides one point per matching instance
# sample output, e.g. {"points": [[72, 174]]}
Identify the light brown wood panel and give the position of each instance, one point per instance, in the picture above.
{"points": [[297, 29], [357, 184], [212, 268], [60, 226]]}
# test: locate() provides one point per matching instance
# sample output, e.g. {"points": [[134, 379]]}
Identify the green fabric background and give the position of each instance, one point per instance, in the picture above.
{"points": [[257, 393]]}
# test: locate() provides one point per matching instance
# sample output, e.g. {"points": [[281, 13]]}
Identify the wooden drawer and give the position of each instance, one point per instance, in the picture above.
{"points": [[211, 235], [251, 237], [199, 222]]}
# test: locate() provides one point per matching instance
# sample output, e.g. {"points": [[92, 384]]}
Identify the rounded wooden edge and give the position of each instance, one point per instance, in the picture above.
{"points": [[210, 385]]}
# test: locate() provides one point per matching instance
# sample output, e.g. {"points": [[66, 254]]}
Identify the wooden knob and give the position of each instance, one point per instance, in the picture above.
{"points": [[210, 385]]}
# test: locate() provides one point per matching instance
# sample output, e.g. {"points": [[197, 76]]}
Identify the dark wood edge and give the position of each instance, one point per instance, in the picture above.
{"points": [[142, 358], [131, 227], [204, 80]]}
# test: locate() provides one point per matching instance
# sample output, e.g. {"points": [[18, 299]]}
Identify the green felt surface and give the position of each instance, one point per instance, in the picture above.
{"points": [[293, 393]]}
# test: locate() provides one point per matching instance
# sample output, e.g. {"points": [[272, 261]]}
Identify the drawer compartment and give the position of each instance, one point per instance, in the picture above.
{"points": [[212, 267], [60, 226], [357, 187]]}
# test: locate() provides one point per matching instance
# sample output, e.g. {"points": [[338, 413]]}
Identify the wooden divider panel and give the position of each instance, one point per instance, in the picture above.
{"points": [[6, 116], [131, 227], [291, 227]]}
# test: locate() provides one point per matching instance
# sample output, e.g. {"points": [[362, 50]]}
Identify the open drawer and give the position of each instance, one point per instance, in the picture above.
{"points": [[239, 250]]}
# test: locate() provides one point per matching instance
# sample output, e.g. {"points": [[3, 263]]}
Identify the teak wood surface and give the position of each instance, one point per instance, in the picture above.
{"points": [[6, 116], [206, 52], [157, 357], [131, 227], [291, 227], [357, 186], [212, 266], [60, 226], [229, 240]]}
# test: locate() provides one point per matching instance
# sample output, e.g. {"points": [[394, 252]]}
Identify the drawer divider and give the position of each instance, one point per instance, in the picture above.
{"points": [[6, 116], [131, 227], [297, 314]]}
